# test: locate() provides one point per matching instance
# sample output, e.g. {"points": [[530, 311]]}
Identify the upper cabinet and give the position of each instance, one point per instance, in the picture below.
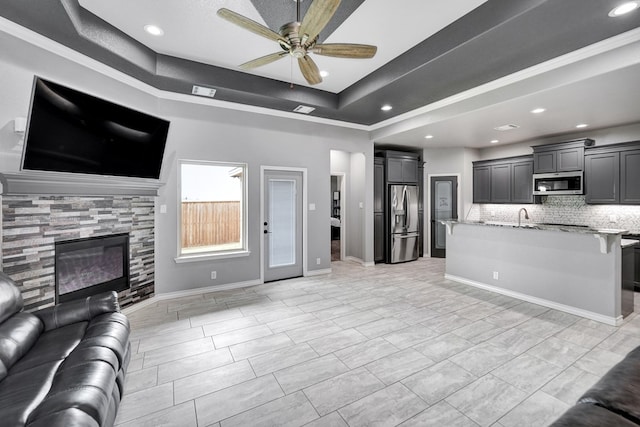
{"points": [[402, 170], [612, 174], [508, 180], [563, 157]]}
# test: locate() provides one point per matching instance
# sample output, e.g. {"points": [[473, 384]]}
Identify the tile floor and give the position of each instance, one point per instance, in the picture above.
{"points": [[384, 345]]}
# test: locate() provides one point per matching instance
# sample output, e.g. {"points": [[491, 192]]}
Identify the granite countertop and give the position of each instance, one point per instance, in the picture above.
{"points": [[549, 227]]}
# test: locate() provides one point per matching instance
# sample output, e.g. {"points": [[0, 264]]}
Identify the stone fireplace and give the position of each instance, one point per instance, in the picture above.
{"points": [[32, 225]]}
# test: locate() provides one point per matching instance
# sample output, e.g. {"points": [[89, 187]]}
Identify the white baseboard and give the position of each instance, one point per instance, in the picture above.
{"points": [[189, 292], [609, 320], [318, 272], [139, 305], [354, 259], [369, 264]]}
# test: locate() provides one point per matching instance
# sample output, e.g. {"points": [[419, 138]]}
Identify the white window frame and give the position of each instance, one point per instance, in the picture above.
{"points": [[214, 254]]}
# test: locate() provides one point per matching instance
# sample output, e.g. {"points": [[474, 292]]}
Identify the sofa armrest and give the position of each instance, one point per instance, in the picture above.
{"points": [[79, 310]]}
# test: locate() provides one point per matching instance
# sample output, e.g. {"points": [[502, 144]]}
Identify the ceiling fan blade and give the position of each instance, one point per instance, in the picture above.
{"points": [[309, 70], [263, 60], [248, 24], [318, 15], [345, 50]]}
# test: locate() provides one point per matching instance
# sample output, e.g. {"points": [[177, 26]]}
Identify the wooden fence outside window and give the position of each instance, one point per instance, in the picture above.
{"points": [[210, 223]]}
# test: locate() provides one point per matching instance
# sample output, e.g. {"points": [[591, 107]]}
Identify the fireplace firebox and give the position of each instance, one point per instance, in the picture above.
{"points": [[89, 266]]}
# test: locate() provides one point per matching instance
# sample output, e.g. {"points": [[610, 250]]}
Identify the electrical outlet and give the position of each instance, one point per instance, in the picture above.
{"points": [[318, 261], [214, 275], [613, 218], [495, 275]]}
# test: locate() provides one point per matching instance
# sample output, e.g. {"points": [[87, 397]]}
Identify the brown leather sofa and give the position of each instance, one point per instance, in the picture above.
{"points": [[62, 365], [613, 401]]}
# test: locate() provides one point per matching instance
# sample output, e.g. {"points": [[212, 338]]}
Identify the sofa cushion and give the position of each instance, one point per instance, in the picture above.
{"points": [[10, 298], [86, 386], [618, 389], [586, 415], [54, 345], [21, 392], [71, 417], [17, 335]]}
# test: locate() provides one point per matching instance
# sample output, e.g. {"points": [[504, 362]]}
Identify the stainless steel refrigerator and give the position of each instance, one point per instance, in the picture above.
{"points": [[403, 209]]}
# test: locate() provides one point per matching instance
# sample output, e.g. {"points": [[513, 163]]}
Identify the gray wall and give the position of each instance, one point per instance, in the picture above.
{"points": [[202, 131]]}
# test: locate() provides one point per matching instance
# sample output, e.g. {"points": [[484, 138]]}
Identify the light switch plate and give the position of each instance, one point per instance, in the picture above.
{"points": [[312, 206]]}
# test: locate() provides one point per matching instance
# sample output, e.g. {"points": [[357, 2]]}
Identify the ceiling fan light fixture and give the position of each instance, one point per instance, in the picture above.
{"points": [[154, 30], [624, 8]]}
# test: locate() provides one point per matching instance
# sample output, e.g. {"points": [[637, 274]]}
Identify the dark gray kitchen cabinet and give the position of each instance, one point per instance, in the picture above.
{"points": [[522, 182], [562, 157], [545, 162], [612, 174], [630, 177], [501, 183], [508, 180], [378, 186], [602, 178], [378, 236], [402, 170], [482, 184]]}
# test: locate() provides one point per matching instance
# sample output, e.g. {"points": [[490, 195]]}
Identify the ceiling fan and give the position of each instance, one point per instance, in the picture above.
{"points": [[298, 39]]}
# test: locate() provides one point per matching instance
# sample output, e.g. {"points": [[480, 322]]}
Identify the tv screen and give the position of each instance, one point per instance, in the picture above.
{"points": [[71, 131]]}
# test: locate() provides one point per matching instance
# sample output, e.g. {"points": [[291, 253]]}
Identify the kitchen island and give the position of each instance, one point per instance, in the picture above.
{"points": [[568, 268]]}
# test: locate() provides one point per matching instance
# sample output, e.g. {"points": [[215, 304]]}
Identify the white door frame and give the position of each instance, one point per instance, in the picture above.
{"points": [[426, 243], [264, 168], [343, 212]]}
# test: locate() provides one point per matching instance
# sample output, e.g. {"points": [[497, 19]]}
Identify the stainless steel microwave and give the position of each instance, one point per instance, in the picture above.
{"points": [[560, 183]]}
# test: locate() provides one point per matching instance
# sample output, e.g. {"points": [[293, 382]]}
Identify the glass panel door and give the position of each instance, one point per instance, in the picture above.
{"points": [[282, 212]]}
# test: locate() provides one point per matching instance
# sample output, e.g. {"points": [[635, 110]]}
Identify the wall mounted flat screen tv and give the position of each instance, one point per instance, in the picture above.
{"points": [[71, 131]]}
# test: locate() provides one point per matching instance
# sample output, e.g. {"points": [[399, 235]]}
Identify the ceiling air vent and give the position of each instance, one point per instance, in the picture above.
{"points": [[507, 127], [304, 109], [203, 91]]}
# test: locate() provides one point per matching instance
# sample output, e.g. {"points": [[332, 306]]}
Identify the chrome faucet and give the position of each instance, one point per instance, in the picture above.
{"points": [[526, 215]]}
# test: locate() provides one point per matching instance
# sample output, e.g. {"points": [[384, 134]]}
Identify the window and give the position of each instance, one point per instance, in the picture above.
{"points": [[212, 209]]}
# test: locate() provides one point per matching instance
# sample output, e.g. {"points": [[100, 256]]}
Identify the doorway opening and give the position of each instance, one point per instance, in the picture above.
{"points": [[338, 217]]}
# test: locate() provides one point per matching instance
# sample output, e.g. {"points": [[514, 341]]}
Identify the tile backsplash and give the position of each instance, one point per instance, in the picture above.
{"points": [[563, 210]]}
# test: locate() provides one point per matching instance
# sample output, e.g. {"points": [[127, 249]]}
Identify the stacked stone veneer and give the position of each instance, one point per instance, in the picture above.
{"points": [[32, 224]]}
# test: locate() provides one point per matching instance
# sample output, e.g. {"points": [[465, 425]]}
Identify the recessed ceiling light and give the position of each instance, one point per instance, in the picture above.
{"points": [[324, 73], [428, 136], [154, 30], [494, 141], [538, 110], [386, 107], [582, 125], [624, 8]]}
